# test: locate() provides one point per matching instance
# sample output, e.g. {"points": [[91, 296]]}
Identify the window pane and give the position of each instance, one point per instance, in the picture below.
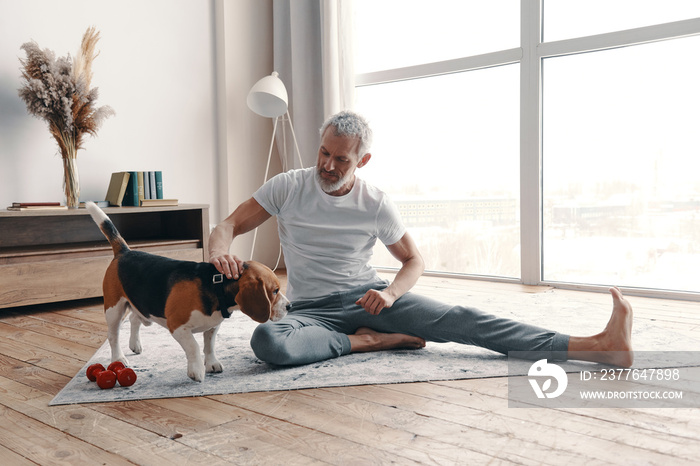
{"points": [[578, 18], [397, 33], [621, 164], [446, 149]]}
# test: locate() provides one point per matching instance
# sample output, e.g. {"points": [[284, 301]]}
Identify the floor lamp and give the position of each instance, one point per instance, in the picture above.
{"points": [[268, 98]]}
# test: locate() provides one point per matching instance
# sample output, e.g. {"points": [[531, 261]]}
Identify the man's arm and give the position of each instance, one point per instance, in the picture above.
{"points": [[412, 266], [245, 218]]}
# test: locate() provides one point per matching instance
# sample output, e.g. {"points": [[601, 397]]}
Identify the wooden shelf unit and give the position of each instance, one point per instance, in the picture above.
{"points": [[59, 255]]}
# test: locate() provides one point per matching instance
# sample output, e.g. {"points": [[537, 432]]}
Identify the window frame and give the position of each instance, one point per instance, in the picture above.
{"points": [[530, 56]]}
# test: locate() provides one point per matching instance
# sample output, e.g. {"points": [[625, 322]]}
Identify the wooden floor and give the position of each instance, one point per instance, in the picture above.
{"points": [[461, 422]]}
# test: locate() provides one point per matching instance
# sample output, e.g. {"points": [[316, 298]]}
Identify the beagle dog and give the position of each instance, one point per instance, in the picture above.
{"points": [[184, 297]]}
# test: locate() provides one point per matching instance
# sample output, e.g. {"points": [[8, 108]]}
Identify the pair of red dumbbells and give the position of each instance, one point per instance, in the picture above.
{"points": [[108, 378]]}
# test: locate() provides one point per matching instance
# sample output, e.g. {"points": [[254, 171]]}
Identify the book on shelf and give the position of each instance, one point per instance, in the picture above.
{"points": [[146, 185], [36, 204], [97, 203], [140, 185], [152, 185], [158, 202], [117, 188], [131, 196], [141, 189], [22, 206], [159, 184]]}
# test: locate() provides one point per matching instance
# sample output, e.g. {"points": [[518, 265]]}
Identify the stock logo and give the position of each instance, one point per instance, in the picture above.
{"points": [[546, 371]]}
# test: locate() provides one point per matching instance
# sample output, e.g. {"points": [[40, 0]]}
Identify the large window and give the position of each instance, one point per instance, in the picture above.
{"points": [[520, 140], [621, 166], [446, 148], [565, 19], [400, 33]]}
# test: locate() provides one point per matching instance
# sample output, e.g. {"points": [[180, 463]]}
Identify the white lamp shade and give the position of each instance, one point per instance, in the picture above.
{"points": [[268, 97]]}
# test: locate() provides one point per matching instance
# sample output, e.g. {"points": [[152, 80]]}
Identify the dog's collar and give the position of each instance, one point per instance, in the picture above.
{"points": [[218, 281]]}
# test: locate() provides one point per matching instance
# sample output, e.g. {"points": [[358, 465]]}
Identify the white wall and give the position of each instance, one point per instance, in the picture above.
{"points": [[155, 69], [177, 73]]}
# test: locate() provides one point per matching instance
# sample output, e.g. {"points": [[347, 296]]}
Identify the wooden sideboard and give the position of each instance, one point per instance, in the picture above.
{"points": [[60, 255]]}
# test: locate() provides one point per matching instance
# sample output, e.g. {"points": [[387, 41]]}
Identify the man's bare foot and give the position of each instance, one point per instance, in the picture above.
{"points": [[614, 344], [365, 339]]}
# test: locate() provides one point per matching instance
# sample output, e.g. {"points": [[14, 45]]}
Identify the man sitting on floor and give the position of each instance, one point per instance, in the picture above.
{"points": [[329, 221]]}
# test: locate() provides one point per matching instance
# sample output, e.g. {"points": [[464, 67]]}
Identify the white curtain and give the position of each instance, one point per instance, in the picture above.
{"points": [[313, 56], [337, 56]]}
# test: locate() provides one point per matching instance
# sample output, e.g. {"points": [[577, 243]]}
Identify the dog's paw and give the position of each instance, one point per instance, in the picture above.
{"points": [[214, 366], [122, 359], [196, 372], [135, 346]]}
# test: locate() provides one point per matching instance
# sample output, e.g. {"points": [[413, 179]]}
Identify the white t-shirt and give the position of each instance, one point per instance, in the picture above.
{"points": [[328, 240]]}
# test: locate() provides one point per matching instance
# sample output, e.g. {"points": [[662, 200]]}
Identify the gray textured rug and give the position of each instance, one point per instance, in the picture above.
{"points": [[162, 369], [162, 372]]}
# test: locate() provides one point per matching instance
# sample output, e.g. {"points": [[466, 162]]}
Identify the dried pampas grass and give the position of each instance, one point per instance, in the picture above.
{"points": [[82, 63], [58, 91]]}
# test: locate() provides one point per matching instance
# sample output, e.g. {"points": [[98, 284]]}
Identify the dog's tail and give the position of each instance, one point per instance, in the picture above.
{"points": [[108, 229]]}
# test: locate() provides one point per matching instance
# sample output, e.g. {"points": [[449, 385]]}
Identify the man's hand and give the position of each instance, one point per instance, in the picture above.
{"points": [[229, 265], [245, 218], [374, 301]]}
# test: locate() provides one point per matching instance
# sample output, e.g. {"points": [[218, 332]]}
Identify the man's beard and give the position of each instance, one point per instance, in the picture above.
{"points": [[329, 187]]}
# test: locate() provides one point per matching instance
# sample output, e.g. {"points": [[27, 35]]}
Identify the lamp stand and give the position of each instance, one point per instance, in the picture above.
{"points": [[284, 165]]}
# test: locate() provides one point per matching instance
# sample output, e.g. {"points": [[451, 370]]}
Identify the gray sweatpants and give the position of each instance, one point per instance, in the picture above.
{"points": [[317, 330]]}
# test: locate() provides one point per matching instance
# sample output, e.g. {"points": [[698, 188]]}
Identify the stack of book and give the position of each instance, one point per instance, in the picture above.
{"points": [[137, 189], [20, 206]]}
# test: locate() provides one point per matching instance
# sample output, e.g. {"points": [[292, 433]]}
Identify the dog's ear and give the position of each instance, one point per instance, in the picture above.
{"points": [[253, 299]]}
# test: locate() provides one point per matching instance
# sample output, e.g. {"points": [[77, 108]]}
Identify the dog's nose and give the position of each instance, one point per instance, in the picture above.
{"points": [[289, 307]]}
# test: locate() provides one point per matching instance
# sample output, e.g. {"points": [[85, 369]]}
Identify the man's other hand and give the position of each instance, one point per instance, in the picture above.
{"points": [[374, 301]]}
